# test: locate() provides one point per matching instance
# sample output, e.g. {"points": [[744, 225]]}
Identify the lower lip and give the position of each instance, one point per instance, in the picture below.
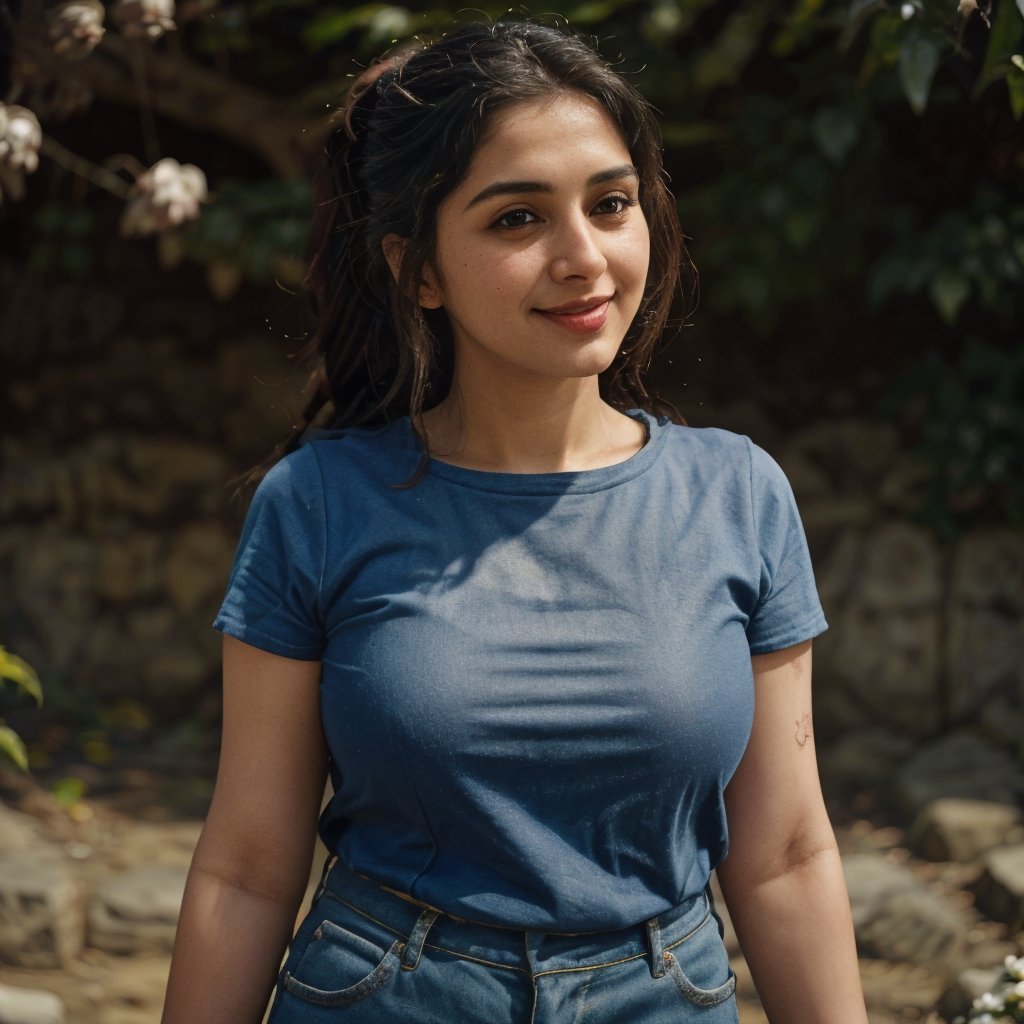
{"points": [[585, 321]]}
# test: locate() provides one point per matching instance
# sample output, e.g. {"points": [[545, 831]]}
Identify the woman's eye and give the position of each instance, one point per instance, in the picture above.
{"points": [[614, 204], [515, 219]]}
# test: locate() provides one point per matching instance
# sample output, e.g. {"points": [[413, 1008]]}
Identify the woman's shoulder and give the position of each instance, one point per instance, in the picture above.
{"points": [[379, 451], [715, 446], [714, 452]]}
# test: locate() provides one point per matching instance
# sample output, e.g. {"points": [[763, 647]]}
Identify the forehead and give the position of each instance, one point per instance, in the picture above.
{"points": [[553, 134]]}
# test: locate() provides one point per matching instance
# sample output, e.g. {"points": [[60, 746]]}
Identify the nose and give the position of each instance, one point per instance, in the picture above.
{"points": [[577, 252]]}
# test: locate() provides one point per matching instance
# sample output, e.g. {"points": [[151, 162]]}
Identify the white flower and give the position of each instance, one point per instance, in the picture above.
{"points": [[989, 1001], [20, 139], [907, 11], [166, 195], [148, 19], [1015, 967], [76, 27]]}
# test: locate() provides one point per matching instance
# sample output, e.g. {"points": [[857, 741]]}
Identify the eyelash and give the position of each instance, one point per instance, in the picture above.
{"points": [[625, 202]]}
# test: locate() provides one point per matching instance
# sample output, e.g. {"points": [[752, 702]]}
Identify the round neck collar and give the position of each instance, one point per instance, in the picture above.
{"points": [[583, 481]]}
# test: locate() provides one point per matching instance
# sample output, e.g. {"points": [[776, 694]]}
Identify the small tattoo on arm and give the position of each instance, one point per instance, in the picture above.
{"points": [[803, 730]]}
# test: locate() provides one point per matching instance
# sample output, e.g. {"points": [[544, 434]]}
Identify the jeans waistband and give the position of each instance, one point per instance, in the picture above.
{"points": [[420, 925]]}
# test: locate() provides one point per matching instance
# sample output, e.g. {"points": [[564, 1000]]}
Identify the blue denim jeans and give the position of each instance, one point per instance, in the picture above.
{"points": [[363, 954]]}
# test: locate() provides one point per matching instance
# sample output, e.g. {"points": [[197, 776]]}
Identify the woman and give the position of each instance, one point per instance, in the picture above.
{"points": [[530, 628]]}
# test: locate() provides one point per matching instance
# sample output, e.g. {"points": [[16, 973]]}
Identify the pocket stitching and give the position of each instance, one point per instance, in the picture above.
{"points": [[373, 982]]}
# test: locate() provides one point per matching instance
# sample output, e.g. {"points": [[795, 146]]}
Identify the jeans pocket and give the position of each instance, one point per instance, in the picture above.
{"points": [[338, 967], [699, 965]]}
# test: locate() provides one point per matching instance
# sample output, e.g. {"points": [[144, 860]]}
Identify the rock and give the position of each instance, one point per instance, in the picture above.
{"points": [[969, 984], [1002, 721], [137, 912], [18, 831], [54, 588], [864, 757], [881, 660], [29, 1006], [896, 917], [148, 478], [1000, 890], [853, 453], [959, 765], [41, 912], [896, 992], [962, 830], [198, 565], [901, 569], [986, 614], [988, 570], [130, 568], [888, 660]]}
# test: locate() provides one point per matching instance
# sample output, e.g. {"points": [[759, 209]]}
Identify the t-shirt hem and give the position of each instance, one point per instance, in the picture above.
{"points": [[807, 630], [249, 635]]}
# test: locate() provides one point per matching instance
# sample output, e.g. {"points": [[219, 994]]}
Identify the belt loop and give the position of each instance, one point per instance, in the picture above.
{"points": [[322, 885], [418, 935], [656, 948]]}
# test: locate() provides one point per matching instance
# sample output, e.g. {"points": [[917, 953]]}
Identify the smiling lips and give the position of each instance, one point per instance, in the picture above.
{"points": [[583, 316]]}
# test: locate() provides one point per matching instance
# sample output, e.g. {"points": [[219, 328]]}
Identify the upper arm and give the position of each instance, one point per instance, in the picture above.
{"points": [[261, 826], [775, 811]]}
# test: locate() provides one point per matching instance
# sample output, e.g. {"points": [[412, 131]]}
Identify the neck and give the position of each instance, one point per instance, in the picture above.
{"points": [[547, 427]]}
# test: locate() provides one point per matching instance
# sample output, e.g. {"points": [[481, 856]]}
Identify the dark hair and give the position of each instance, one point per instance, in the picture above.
{"points": [[403, 142]]}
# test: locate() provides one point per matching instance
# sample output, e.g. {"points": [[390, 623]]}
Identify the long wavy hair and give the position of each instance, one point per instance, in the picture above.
{"points": [[400, 145]]}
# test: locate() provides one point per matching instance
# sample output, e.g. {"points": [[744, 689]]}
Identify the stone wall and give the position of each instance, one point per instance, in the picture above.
{"points": [[127, 417], [128, 413]]}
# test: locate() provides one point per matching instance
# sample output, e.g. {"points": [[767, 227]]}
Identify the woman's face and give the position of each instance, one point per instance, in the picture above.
{"points": [[542, 251]]}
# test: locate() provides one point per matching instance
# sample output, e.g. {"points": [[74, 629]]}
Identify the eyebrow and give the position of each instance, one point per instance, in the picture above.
{"points": [[506, 188]]}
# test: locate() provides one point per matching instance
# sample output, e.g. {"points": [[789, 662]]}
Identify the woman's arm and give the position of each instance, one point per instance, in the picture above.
{"points": [[252, 862], [783, 880]]}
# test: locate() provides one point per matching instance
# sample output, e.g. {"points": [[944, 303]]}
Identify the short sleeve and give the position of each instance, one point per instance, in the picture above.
{"points": [[272, 598], [788, 610]]}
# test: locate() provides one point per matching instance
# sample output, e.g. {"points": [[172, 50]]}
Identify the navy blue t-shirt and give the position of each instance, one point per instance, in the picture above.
{"points": [[535, 687]]}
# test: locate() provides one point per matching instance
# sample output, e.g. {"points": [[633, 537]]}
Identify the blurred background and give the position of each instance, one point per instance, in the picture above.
{"points": [[850, 177]]}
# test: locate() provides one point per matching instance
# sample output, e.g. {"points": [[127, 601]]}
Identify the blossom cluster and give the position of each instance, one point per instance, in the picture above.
{"points": [[1003, 1004]]}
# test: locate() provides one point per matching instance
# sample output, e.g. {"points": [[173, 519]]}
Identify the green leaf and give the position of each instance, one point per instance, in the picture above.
{"points": [[919, 60], [1015, 84], [1007, 29], [732, 50], [68, 791], [12, 748], [835, 131], [21, 674], [949, 290]]}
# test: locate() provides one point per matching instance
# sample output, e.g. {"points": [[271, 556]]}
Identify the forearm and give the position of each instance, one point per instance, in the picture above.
{"points": [[227, 951], [797, 936]]}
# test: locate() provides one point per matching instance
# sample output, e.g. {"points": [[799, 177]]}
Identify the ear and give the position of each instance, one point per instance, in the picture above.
{"points": [[394, 246]]}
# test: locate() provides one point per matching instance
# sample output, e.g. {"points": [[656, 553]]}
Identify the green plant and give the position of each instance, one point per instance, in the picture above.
{"points": [[969, 422], [18, 672]]}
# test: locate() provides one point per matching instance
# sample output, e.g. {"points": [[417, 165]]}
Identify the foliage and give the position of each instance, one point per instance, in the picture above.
{"points": [[20, 674], [971, 427], [1005, 1004], [863, 155]]}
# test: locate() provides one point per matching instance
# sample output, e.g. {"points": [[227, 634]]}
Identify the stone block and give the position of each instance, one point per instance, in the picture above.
{"points": [[29, 1006], [197, 565], [962, 830], [960, 765], [137, 912], [41, 912], [1000, 890], [898, 918]]}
